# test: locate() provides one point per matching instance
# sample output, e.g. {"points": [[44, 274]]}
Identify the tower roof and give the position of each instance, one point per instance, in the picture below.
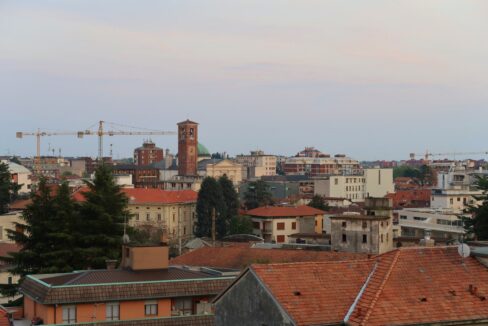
{"points": [[187, 121]]}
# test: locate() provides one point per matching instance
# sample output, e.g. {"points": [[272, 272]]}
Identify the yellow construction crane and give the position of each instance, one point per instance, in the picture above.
{"points": [[427, 154], [100, 132]]}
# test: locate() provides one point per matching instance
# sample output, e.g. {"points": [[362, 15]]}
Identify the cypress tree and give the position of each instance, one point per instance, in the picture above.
{"points": [[210, 197], [231, 201]]}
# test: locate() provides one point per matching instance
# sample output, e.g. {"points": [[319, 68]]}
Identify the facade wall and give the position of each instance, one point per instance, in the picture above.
{"points": [[268, 227], [7, 221], [379, 235], [177, 219], [247, 303], [378, 182], [232, 170]]}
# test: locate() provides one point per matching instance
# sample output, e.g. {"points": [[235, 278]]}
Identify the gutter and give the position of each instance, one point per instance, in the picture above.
{"points": [[360, 294]]}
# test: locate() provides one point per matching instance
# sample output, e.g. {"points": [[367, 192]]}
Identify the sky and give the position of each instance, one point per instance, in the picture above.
{"points": [[373, 79]]}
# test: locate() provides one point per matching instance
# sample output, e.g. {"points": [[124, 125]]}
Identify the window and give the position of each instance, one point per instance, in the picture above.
{"points": [[183, 306], [151, 308], [184, 230], [9, 280], [148, 216], [451, 201], [69, 314], [344, 238], [280, 238], [365, 238], [459, 199], [403, 217], [365, 224], [159, 217], [418, 218], [382, 238], [336, 181], [293, 225], [344, 224], [174, 215], [280, 226], [112, 311], [137, 216]]}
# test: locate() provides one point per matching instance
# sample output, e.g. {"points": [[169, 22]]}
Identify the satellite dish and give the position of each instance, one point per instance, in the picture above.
{"points": [[463, 250]]}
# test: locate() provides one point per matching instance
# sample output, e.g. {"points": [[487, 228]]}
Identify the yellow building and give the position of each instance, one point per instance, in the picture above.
{"points": [[173, 211], [218, 168]]}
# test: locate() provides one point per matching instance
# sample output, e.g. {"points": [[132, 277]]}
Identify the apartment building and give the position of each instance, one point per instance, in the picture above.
{"points": [[374, 182], [278, 223], [257, 164], [143, 291], [322, 165], [173, 211], [148, 154]]}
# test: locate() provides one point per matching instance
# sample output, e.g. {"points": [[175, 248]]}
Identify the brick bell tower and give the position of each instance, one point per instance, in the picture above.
{"points": [[187, 148]]}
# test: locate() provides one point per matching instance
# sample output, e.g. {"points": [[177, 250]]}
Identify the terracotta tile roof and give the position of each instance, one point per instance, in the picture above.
{"points": [[67, 289], [315, 293], [407, 286], [423, 286], [20, 204], [241, 257], [284, 211], [149, 196]]}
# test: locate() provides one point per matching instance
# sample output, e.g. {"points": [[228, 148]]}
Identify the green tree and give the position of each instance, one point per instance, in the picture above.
{"points": [[406, 171], [241, 225], [60, 229], [101, 223], [477, 226], [319, 203], [8, 189], [32, 234], [231, 200], [257, 195], [210, 198]]}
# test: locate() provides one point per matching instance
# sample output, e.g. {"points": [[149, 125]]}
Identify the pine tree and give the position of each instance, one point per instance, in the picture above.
{"points": [[210, 197], [8, 189], [101, 222], [257, 195], [477, 226], [62, 253], [231, 201], [33, 234]]}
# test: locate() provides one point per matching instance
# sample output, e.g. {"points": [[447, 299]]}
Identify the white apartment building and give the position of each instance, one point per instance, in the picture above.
{"points": [[257, 164], [454, 190], [421, 222], [374, 182]]}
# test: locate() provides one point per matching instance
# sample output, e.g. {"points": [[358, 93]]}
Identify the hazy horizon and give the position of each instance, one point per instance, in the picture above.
{"points": [[373, 79]]}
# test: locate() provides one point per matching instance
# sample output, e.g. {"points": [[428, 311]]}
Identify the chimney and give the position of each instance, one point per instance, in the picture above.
{"points": [[111, 264]]}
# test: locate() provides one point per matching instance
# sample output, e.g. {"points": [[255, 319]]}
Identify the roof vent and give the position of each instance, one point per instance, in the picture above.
{"points": [[297, 293], [423, 299]]}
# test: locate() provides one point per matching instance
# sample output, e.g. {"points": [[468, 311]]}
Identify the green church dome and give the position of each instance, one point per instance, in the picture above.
{"points": [[203, 151]]}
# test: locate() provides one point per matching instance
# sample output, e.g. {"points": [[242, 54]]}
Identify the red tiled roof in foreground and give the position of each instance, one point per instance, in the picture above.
{"points": [[150, 196], [284, 211], [241, 257], [408, 286]]}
